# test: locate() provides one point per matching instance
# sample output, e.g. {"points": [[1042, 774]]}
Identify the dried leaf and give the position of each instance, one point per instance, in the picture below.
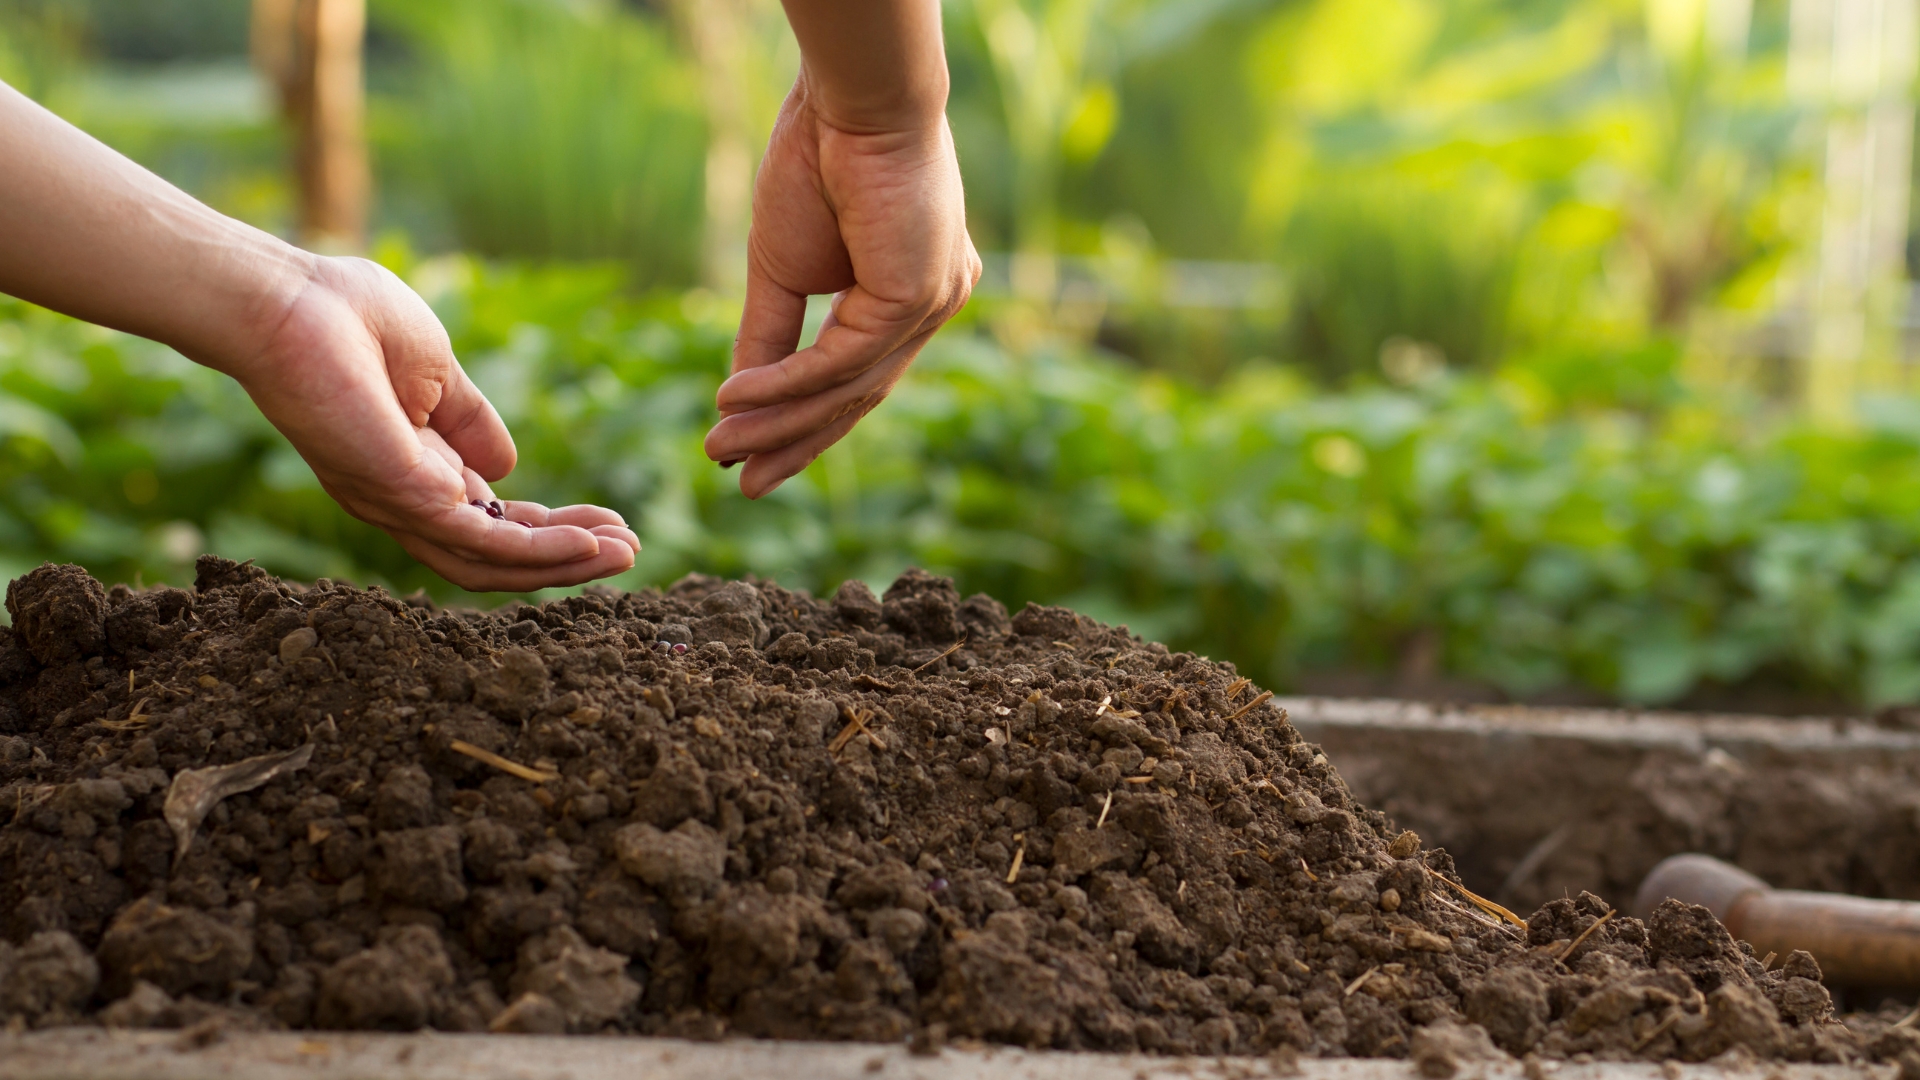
{"points": [[195, 792]]}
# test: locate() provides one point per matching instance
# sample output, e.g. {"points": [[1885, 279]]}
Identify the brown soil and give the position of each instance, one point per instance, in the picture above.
{"points": [[857, 818]]}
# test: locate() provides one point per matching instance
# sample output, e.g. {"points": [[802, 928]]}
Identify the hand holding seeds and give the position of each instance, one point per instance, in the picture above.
{"points": [[359, 376], [345, 360]]}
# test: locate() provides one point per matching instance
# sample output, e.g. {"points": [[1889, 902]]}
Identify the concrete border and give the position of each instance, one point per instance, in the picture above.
{"points": [[96, 1054], [1693, 733]]}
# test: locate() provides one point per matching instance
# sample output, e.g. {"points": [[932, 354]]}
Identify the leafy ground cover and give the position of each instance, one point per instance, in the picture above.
{"points": [[1565, 522]]}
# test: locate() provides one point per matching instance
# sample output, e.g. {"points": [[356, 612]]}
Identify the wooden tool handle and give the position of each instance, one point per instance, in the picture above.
{"points": [[1857, 941]]}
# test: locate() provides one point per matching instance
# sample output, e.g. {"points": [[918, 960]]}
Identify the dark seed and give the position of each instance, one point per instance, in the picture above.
{"points": [[938, 884], [494, 507], [731, 464], [678, 649]]}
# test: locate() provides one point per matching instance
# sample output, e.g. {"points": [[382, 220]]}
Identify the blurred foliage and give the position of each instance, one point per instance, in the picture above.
{"points": [[1483, 176], [164, 30], [1571, 519], [548, 131], [1465, 424]]}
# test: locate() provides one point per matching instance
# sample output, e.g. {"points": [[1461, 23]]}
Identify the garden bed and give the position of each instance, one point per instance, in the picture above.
{"points": [[1534, 803], [734, 809]]}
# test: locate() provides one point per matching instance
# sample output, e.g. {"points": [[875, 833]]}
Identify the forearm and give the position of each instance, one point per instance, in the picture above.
{"points": [[87, 232], [872, 65]]}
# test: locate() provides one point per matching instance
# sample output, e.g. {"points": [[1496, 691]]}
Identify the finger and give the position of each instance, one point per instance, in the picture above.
{"points": [[477, 488], [766, 472], [867, 329], [463, 527], [618, 532], [766, 429], [431, 387], [585, 515], [771, 322], [610, 557], [470, 532], [833, 314], [472, 427], [597, 520]]}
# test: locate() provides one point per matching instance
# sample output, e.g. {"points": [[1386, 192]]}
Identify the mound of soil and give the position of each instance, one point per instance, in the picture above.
{"points": [[732, 808]]}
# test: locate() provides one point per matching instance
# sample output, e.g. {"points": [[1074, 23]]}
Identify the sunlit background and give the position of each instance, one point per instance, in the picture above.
{"points": [[1541, 349]]}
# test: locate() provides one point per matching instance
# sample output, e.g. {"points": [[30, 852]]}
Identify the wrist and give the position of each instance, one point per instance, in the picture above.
{"points": [[897, 107], [252, 283]]}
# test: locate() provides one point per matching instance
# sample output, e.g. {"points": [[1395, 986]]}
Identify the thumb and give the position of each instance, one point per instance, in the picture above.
{"points": [[472, 427], [434, 390]]}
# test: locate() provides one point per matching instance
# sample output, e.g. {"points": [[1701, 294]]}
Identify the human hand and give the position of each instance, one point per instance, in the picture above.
{"points": [[358, 374], [345, 360], [874, 216]]}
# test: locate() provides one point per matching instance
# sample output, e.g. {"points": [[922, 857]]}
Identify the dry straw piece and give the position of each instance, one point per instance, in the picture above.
{"points": [[488, 757], [951, 649], [1588, 932], [856, 724], [1479, 901], [136, 718], [1249, 706]]}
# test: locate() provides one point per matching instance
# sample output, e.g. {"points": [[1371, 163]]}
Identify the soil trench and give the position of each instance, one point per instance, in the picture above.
{"points": [[730, 808]]}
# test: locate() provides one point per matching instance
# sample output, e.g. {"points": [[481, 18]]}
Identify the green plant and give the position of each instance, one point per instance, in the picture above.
{"points": [[1569, 519], [548, 130]]}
